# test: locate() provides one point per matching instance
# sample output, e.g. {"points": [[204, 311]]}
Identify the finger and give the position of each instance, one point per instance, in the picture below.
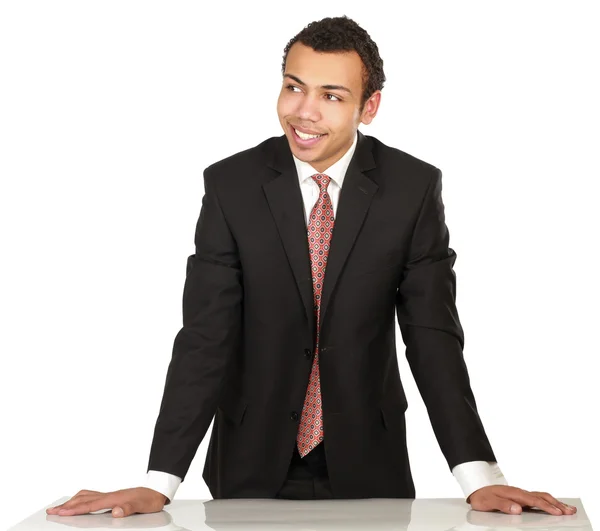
{"points": [[525, 498], [504, 505], [68, 504], [56, 508], [566, 509], [123, 509], [88, 506]]}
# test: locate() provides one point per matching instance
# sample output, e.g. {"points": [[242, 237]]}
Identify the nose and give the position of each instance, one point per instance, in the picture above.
{"points": [[308, 109]]}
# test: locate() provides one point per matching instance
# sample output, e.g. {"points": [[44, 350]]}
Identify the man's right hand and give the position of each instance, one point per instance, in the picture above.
{"points": [[122, 502]]}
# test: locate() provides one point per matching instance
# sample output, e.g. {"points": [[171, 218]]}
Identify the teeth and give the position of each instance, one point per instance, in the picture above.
{"points": [[304, 136]]}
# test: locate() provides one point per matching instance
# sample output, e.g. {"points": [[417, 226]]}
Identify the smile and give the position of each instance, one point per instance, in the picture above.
{"points": [[304, 139]]}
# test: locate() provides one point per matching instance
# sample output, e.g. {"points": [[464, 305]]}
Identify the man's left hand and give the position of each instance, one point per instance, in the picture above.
{"points": [[511, 500]]}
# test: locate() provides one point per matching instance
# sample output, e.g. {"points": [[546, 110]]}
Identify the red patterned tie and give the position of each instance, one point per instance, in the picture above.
{"points": [[319, 232]]}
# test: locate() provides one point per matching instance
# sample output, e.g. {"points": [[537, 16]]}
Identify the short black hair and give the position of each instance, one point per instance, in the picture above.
{"points": [[341, 34]]}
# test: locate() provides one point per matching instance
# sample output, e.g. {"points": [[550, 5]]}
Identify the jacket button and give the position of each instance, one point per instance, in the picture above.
{"points": [[324, 349], [307, 353], [294, 415]]}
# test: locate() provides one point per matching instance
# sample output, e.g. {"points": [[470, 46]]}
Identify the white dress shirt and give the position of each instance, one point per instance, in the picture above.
{"points": [[472, 475]]}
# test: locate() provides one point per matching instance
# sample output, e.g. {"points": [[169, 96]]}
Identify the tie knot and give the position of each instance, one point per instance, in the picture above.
{"points": [[322, 180]]}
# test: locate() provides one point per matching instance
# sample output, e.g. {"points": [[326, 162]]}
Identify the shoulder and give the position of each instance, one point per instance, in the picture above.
{"points": [[388, 157], [247, 159]]}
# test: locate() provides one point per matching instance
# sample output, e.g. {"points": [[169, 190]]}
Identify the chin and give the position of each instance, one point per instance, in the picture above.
{"points": [[304, 157]]}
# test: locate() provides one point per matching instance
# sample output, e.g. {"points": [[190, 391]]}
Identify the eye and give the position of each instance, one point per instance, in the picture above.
{"points": [[292, 87]]}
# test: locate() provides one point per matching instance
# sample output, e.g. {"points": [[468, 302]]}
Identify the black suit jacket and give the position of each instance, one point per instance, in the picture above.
{"points": [[245, 349]]}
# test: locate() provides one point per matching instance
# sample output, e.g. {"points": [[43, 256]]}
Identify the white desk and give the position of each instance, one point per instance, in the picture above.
{"points": [[307, 515]]}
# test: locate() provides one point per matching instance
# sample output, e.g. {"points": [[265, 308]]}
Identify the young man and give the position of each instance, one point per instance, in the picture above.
{"points": [[307, 245]]}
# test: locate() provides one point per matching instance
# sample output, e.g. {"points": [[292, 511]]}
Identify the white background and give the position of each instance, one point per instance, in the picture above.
{"points": [[110, 111]]}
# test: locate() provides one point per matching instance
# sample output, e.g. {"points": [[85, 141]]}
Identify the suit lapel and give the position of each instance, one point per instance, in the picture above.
{"points": [[285, 201]]}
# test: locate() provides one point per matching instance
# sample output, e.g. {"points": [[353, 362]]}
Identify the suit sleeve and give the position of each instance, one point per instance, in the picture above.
{"points": [[433, 335], [204, 346]]}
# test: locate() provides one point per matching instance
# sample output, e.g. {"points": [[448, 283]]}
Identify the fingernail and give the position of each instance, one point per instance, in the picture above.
{"points": [[514, 508], [118, 512]]}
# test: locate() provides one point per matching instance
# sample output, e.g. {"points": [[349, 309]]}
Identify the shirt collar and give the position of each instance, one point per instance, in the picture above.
{"points": [[336, 171]]}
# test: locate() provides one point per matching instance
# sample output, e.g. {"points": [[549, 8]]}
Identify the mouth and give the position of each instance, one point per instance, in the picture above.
{"points": [[305, 142]]}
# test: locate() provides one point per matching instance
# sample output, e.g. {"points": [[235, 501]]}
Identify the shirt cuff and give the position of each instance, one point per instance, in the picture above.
{"points": [[474, 475], [163, 482]]}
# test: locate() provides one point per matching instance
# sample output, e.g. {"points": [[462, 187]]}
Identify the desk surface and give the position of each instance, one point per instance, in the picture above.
{"points": [[307, 515]]}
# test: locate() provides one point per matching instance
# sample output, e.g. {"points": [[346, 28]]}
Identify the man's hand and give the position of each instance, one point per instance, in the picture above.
{"points": [[122, 502], [511, 500]]}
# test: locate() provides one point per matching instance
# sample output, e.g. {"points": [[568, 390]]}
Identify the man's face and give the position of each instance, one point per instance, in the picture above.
{"points": [[304, 104]]}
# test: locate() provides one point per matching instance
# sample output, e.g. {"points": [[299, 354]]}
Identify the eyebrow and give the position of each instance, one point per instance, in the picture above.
{"points": [[326, 87]]}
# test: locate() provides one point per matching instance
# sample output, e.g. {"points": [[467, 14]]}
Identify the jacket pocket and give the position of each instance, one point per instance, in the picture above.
{"points": [[390, 413], [233, 407]]}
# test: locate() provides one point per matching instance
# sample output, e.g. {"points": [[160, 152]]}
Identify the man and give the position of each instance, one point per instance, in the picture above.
{"points": [[307, 245]]}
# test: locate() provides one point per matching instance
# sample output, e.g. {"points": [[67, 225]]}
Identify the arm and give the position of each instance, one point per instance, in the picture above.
{"points": [[166, 484], [433, 335], [434, 342], [474, 475], [211, 334]]}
